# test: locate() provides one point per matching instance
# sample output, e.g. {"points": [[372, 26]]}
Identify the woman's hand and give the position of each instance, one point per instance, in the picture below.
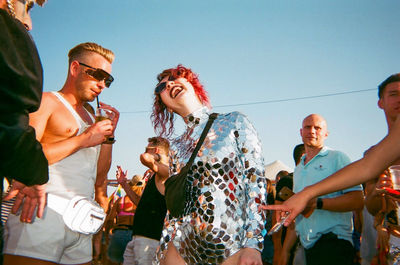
{"points": [[295, 205]]}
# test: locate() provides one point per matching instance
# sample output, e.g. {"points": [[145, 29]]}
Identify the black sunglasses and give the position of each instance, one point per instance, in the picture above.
{"points": [[99, 74], [162, 86]]}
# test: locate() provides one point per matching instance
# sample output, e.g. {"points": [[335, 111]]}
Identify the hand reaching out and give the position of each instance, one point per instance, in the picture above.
{"points": [[295, 205]]}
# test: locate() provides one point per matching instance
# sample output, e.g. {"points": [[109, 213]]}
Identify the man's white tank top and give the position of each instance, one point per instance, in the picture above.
{"points": [[75, 174]]}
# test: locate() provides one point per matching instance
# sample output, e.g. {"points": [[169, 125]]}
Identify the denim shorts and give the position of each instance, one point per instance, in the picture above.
{"points": [[118, 242]]}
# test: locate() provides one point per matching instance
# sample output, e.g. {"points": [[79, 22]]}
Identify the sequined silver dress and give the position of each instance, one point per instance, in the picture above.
{"points": [[226, 185]]}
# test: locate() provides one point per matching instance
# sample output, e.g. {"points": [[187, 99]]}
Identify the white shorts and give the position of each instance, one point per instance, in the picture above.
{"points": [[47, 239]]}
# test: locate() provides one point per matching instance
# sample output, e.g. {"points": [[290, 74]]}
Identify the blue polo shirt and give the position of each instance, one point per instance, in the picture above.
{"points": [[310, 229]]}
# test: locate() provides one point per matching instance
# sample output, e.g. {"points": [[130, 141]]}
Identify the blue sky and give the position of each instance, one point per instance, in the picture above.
{"points": [[244, 52]]}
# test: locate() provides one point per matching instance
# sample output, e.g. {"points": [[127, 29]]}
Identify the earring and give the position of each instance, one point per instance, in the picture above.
{"points": [[10, 7]]}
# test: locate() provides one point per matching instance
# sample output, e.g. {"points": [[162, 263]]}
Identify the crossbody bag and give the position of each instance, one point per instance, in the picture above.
{"points": [[176, 185]]}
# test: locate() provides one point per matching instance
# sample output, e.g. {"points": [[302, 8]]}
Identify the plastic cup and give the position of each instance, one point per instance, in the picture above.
{"points": [[104, 114], [395, 176]]}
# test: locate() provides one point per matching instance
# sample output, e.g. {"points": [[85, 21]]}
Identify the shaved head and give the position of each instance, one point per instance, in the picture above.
{"points": [[316, 117], [314, 131]]}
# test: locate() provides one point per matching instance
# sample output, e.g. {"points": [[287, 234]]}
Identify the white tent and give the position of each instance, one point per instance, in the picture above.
{"points": [[273, 168]]}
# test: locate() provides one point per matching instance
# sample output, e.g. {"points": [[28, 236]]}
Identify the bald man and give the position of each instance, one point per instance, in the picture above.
{"points": [[325, 229]]}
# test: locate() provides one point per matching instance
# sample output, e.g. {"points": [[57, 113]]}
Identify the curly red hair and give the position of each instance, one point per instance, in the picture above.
{"points": [[162, 119]]}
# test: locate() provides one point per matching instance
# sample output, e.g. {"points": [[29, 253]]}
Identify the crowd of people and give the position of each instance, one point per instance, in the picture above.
{"points": [[204, 198]]}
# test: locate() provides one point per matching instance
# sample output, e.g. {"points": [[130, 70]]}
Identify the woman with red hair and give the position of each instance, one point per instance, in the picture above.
{"points": [[213, 191]]}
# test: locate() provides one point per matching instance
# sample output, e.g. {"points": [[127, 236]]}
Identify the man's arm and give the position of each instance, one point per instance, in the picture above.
{"points": [[157, 163], [104, 163], [93, 136], [103, 166], [56, 151]]}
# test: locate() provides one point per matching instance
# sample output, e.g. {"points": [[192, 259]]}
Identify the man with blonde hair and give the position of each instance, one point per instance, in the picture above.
{"points": [[78, 151]]}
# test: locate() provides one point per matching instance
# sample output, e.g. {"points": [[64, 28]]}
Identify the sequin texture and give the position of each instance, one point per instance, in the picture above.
{"points": [[226, 185]]}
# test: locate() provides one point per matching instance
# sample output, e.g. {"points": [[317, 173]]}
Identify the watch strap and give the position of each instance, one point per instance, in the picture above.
{"points": [[320, 203]]}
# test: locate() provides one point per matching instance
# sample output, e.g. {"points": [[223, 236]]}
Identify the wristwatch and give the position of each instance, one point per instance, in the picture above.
{"points": [[110, 140], [320, 203]]}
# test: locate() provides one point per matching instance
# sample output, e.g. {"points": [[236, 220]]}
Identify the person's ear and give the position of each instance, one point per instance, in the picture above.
{"points": [[74, 68], [380, 103]]}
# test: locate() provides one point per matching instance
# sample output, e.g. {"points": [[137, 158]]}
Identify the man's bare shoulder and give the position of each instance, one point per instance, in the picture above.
{"points": [[59, 122], [49, 101], [52, 106]]}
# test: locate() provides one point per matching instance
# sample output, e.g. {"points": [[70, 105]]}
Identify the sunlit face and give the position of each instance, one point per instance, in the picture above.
{"points": [[390, 100], [177, 93], [314, 131], [21, 9], [88, 87]]}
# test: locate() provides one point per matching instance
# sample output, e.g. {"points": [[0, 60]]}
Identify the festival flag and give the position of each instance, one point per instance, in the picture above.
{"points": [[116, 194]]}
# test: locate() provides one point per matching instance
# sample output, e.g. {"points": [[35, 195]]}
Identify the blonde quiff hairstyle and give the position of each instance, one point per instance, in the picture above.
{"points": [[82, 48]]}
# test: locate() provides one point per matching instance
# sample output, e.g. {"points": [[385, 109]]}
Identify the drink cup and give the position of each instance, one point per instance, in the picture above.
{"points": [[104, 114], [395, 176], [392, 217]]}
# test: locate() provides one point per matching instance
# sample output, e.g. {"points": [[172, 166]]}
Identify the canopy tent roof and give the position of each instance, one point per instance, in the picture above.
{"points": [[273, 168]]}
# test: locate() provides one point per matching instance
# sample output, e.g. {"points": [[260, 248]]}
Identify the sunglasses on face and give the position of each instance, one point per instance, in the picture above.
{"points": [[150, 149], [98, 74], [162, 86]]}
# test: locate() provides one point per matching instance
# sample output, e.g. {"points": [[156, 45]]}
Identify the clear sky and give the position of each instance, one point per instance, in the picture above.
{"points": [[244, 52]]}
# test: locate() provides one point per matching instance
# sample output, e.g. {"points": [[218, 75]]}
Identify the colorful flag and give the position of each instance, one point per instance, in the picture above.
{"points": [[116, 194]]}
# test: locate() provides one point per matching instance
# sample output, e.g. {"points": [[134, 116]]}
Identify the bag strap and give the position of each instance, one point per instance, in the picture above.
{"points": [[203, 135]]}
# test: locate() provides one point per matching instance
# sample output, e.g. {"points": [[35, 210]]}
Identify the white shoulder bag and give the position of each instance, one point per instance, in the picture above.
{"points": [[80, 214]]}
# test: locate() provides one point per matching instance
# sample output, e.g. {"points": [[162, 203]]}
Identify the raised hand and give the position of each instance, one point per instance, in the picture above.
{"points": [[121, 175]]}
